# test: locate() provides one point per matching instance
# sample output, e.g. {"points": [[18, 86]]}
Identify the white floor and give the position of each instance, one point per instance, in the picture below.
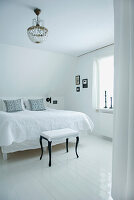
{"points": [[24, 177]]}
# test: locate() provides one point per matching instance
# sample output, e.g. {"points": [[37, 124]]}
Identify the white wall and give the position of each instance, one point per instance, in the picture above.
{"points": [[83, 100], [30, 72]]}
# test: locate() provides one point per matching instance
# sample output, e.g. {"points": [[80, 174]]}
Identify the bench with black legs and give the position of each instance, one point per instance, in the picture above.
{"points": [[55, 135]]}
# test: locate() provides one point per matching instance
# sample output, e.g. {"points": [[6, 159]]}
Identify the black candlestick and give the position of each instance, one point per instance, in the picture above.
{"points": [[105, 99], [111, 103]]}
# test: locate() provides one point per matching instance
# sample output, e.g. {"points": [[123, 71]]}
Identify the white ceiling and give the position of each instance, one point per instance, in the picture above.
{"points": [[75, 26]]}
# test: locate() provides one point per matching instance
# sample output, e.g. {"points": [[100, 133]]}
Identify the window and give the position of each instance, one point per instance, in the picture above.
{"points": [[105, 81]]}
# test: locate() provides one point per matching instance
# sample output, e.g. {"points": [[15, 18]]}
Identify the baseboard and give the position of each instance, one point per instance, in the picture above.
{"points": [[107, 138], [103, 137]]}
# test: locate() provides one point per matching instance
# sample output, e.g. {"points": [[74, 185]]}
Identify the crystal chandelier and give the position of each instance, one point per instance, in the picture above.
{"points": [[37, 33]]}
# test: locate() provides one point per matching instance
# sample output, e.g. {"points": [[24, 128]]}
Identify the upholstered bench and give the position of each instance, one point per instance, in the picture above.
{"points": [[55, 135]]}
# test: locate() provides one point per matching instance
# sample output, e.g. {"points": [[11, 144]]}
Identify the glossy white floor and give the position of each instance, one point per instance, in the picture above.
{"points": [[24, 177]]}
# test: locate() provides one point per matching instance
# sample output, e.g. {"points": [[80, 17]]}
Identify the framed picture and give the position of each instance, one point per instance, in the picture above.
{"points": [[77, 89], [77, 80], [85, 83]]}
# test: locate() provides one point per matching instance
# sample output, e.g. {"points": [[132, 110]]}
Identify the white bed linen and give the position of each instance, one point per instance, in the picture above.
{"points": [[27, 125]]}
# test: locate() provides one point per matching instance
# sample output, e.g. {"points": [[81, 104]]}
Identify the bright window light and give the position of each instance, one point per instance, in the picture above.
{"points": [[106, 80]]}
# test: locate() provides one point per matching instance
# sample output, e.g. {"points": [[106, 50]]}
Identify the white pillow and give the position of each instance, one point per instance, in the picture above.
{"points": [[2, 108]]}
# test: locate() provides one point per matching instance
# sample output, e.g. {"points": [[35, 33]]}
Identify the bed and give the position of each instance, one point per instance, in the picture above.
{"points": [[21, 130]]}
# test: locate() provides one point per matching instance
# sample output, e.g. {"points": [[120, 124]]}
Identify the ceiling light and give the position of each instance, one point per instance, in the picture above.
{"points": [[37, 33]]}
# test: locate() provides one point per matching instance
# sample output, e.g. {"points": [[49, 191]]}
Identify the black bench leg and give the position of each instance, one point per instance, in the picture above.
{"points": [[49, 149], [67, 144], [77, 141], [41, 147]]}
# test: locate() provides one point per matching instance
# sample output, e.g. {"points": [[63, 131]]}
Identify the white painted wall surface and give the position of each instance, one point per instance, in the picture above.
{"points": [[29, 72], [83, 100]]}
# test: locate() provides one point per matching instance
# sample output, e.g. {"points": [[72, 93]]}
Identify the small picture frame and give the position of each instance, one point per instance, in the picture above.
{"points": [[77, 80], [77, 89], [85, 83]]}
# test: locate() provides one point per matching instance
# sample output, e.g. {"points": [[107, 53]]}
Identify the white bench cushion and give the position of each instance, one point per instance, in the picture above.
{"points": [[59, 134]]}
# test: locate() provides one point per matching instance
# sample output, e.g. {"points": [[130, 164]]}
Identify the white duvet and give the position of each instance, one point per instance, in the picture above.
{"points": [[27, 125]]}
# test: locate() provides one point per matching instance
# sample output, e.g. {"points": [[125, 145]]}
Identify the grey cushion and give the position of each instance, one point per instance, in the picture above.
{"points": [[37, 104], [13, 105]]}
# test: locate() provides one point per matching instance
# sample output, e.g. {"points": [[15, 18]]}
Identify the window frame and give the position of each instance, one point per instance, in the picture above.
{"points": [[97, 80]]}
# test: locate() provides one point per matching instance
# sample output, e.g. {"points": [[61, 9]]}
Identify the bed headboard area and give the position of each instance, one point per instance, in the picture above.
{"points": [[51, 101]]}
